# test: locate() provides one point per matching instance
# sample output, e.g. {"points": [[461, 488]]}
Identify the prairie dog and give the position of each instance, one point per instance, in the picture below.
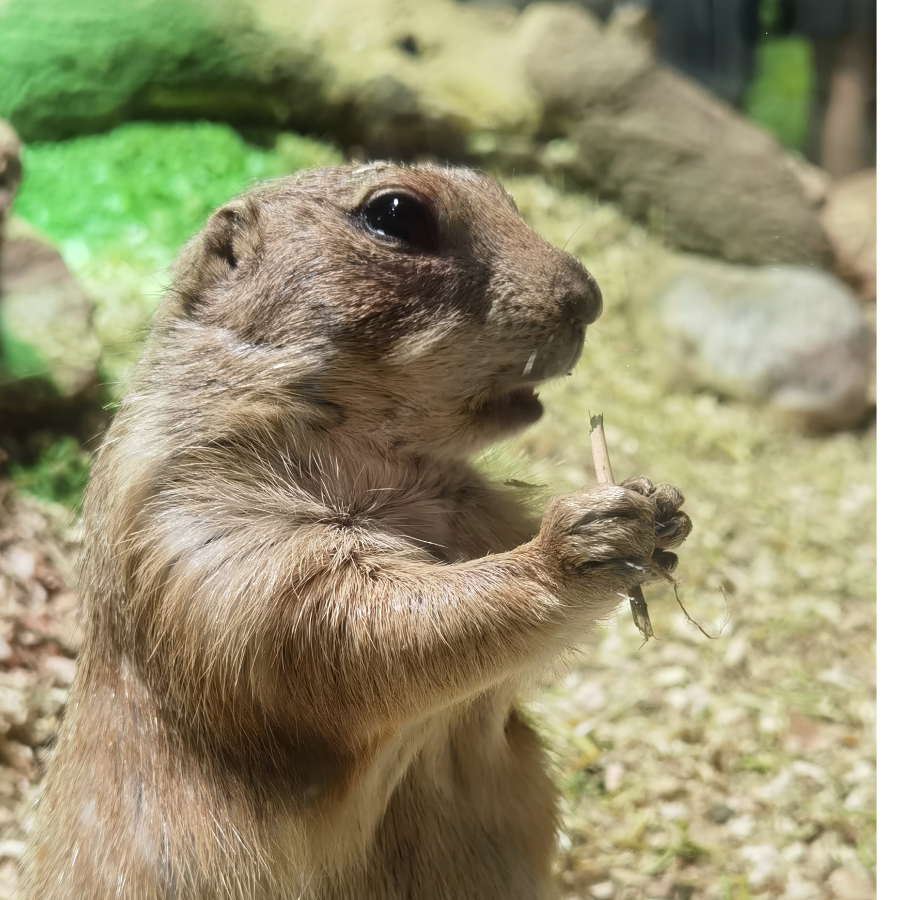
{"points": [[308, 617]]}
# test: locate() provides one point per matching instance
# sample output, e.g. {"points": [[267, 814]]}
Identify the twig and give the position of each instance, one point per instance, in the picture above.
{"points": [[600, 452], [603, 468]]}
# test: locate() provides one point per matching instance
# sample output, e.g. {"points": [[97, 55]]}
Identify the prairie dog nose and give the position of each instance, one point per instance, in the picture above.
{"points": [[579, 295]]}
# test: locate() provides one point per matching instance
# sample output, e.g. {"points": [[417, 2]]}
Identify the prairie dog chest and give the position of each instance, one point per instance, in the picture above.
{"points": [[427, 522], [452, 516], [433, 518]]}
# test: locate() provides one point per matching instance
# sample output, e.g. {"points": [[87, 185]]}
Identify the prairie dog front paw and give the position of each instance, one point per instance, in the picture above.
{"points": [[615, 530]]}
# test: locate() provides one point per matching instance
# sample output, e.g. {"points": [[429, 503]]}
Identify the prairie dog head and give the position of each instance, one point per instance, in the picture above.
{"points": [[409, 304]]}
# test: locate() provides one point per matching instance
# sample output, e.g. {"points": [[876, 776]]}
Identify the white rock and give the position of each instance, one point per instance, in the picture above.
{"points": [[798, 889], [11, 849], [674, 812], [13, 707], [794, 853], [671, 676], [678, 699], [862, 771], [698, 697], [742, 826], [855, 498], [764, 860], [20, 562], [776, 787], [60, 668], [770, 724], [736, 652], [627, 877], [791, 336], [605, 890], [612, 776], [694, 698], [857, 800], [838, 678]]}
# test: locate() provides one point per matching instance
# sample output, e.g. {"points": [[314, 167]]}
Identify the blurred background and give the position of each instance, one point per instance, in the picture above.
{"points": [[712, 162]]}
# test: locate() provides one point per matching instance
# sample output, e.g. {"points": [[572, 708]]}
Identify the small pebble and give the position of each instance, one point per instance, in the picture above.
{"points": [[848, 885], [674, 812], [60, 668], [666, 788], [612, 776], [11, 849], [764, 860], [671, 676], [801, 890], [720, 813], [743, 826]]}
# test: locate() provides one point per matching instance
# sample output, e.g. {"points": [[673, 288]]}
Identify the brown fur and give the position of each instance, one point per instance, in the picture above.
{"points": [[307, 616]]}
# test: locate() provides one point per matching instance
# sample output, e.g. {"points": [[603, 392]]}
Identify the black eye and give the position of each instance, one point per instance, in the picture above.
{"points": [[402, 219]]}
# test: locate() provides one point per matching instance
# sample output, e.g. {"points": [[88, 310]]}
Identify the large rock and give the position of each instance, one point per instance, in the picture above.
{"points": [[790, 336], [849, 217], [673, 156], [395, 76], [48, 350]]}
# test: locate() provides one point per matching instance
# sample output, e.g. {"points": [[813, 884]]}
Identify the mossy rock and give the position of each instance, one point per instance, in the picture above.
{"points": [[72, 66], [48, 350]]}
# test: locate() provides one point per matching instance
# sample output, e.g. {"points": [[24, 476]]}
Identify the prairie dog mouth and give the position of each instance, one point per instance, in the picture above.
{"points": [[513, 403], [553, 358], [515, 409]]}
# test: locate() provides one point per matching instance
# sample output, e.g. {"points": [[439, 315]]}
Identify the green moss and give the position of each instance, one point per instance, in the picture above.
{"points": [[778, 99], [144, 189], [59, 474]]}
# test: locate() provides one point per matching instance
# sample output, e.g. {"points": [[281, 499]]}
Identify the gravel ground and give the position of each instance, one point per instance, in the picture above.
{"points": [[694, 768], [691, 768], [39, 639]]}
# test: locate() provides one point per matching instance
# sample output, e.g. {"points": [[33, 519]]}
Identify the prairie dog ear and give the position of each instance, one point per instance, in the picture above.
{"points": [[232, 236], [230, 241]]}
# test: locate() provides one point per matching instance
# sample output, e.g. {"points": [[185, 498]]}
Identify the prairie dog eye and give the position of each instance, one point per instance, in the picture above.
{"points": [[402, 219]]}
